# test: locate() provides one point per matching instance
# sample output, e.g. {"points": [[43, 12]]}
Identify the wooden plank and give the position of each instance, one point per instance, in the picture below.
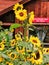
{"points": [[43, 9], [40, 23], [24, 1], [6, 24], [7, 5], [47, 44], [47, 9], [37, 8]]}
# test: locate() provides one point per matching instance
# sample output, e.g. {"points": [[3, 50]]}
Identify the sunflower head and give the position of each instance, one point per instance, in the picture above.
{"points": [[45, 50], [13, 42], [20, 49], [21, 15], [38, 58], [31, 17], [18, 37], [35, 41], [12, 56], [17, 7]]}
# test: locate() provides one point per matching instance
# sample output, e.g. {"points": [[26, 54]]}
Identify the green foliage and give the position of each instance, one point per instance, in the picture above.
{"points": [[15, 25], [5, 35]]}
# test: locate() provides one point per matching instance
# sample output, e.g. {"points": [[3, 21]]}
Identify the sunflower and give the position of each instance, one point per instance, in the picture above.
{"points": [[1, 59], [2, 46], [35, 41], [8, 63], [18, 37], [13, 56], [8, 52], [21, 14], [18, 6], [38, 58], [13, 42], [20, 49], [31, 18], [45, 50]]}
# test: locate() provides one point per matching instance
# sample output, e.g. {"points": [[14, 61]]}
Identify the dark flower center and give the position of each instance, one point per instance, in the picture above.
{"points": [[47, 50], [21, 14], [34, 41], [13, 42], [20, 48], [0, 47], [7, 64], [37, 56], [13, 55]]}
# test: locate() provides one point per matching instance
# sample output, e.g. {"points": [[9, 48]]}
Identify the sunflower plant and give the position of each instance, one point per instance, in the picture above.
{"points": [[22, 50]]}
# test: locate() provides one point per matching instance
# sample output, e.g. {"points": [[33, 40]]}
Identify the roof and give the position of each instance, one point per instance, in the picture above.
{"points": [[6, 5]]}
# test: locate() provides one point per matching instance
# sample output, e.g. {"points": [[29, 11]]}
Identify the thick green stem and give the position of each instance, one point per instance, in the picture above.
{"points": [[25, 32]]}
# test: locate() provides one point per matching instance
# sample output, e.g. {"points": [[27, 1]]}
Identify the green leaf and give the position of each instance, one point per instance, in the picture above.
{"points": [[2, 64], [31, 29], [5, 56], [46, 58], [15, 25], [23, 43], [26, 63]]}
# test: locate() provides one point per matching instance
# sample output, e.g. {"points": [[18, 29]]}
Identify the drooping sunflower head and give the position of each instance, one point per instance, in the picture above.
{"points": [[35, 41], [21, 15], [31, 17], [17, 7], [38, 58]]}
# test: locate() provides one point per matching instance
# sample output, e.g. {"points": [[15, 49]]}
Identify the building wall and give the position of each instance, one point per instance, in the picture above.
{"points": [[40, 8]]}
